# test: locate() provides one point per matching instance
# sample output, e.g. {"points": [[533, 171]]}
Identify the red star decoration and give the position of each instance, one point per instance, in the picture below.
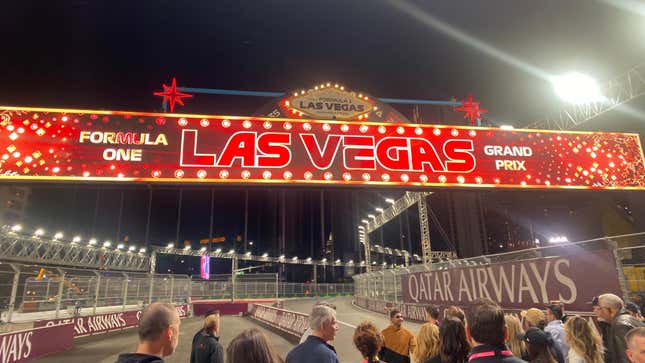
{"points": [[171, 95], [471, 110]]}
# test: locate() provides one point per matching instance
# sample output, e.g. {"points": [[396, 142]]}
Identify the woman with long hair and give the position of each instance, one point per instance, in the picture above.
{"points": [[369, 341], [453, 342], [251, 345], [453, 311], [514, 327], [585, 344], [427, 344]]}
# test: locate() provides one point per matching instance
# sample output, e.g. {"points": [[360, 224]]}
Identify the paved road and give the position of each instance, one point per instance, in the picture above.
{"points": [[105, 348], [349, 316]]}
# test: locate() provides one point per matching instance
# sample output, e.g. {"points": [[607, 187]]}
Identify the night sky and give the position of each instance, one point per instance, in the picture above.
{"points": [[113, 55]]}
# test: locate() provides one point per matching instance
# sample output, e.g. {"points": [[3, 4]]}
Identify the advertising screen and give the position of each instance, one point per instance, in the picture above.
{"points": [[84, 145]]}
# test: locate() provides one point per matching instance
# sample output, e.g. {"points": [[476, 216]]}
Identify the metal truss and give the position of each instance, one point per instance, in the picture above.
{"points": [[425, 230], [618, 91], [401, 204], [231, 255], [368, 255], [19, 248]]}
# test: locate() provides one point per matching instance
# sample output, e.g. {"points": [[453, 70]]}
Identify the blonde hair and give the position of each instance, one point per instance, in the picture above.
{"points": [[514, 328], [427, 343], [584, 339], [211, 322]]}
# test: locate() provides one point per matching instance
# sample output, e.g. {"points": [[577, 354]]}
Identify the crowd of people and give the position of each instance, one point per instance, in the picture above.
{"points": [[482, 334]]}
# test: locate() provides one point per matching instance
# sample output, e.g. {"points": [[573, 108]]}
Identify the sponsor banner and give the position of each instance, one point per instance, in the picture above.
{"points": [[26, 345], [85, 145], [573, 278], [292, 322], [103, 323]]}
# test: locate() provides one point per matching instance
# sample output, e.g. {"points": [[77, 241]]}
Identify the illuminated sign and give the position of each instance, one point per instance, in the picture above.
{"points": [[82, 145], [330, 103], [205, 267]]}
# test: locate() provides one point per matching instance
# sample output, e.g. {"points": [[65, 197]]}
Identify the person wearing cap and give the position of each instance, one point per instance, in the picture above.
{"points": [[533, 318], [555, 327], [611, 309], [540, 346], [633, 310]]}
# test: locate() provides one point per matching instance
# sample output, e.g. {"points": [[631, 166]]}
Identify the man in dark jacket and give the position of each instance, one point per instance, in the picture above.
{"points": [[206, 348], [158, 335], [611, 309], [199, 332], [315, 349], [486, 329]]}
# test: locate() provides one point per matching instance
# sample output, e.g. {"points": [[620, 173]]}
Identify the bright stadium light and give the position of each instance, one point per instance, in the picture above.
{"points": [[92, 242], [58, 235], [365, 221], [187, 248], [281, 257], [507, 127], [371, 216], [294, 258], [142, 250], [170, 245], [132, 248], [231, 251], [219, 250], [389, 200], [16, 228], [265, 255], [39, 232], [76, 239], [120, 246], [380, 210], [324, 260], [577, 88], [107, 244], [558, 239], [338, 260], [308, 259], [248, 253]]}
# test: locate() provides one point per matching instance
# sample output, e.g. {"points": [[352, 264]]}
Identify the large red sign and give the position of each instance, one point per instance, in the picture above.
{"points": [[27, 345], [83, 145], [573, 278]]}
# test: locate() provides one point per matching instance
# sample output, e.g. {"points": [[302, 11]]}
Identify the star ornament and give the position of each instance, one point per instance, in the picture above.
{"points": [[172, 95], [471, 110]]}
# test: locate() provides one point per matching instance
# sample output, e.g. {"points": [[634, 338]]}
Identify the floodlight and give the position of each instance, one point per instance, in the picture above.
{"points": [[577, 88]]}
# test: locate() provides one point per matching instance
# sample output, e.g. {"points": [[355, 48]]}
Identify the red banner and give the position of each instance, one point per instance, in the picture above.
{"points": [[84, 145], [574, 279], [292, 322], [26, 345], [104, 323]]}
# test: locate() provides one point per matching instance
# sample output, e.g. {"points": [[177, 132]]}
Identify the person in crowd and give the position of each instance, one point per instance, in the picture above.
{"points": [[555, 327], [432, 314], [206, 348], [635, 339], [427, 349], [487, 330], [208, 313], [308, 332], [565, 316], [539, 346], [454, 312], [315, 349], [399, 342], [251, 345], [369, 341], [639, 299], [602, 325], [585, 344], [158, 335], [515, 331], [453, 342], [533, 318], [634, 310], [611, 309]]}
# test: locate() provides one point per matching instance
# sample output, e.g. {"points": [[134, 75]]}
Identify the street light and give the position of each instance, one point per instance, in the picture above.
{"points": [[107, 244], [76, 239], [365, 221], [39, 232], [380, 210], [92, 242], [577, 88], [371, 216], [16, 228], [389, 200], [58, 235]]}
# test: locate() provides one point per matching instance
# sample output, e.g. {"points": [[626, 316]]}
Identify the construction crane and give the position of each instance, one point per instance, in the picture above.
{"points": [[616, 92]]}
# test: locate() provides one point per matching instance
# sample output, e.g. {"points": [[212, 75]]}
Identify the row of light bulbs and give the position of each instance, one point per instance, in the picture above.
{"points": [[38, 233]]}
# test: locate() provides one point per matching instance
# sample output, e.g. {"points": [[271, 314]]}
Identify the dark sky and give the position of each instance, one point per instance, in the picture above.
{"points": [[114, 54]]}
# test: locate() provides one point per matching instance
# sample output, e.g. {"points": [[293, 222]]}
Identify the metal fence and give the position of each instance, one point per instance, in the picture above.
{"points": [[385, 284], [30, 293]]}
